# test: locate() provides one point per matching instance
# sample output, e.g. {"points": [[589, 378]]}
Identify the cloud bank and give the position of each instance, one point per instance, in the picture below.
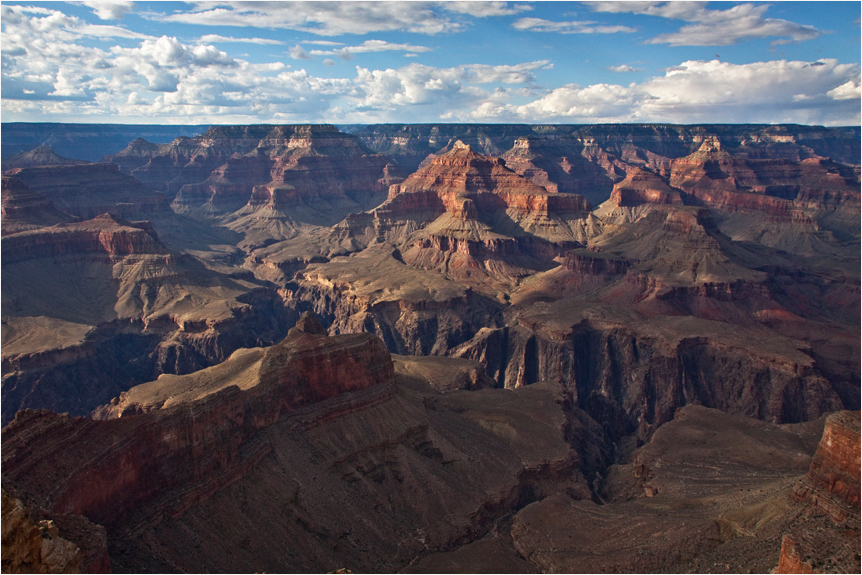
{"points": [[51, 71]]}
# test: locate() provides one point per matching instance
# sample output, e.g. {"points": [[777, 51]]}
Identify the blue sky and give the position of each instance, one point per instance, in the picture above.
{"points": [[370, 62]]}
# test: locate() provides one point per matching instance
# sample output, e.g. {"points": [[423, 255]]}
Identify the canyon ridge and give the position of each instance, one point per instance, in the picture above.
{"points": [[431, 348]]}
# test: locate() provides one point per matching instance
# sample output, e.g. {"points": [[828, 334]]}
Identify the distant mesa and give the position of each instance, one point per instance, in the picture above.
{"points": [[85, 190], [39, 156]]}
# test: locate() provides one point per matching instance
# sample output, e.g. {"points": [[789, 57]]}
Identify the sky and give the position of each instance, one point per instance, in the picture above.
{"points": [[430, 62]]}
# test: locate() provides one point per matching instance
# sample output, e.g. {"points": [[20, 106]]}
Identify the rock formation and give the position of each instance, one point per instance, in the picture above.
{"points": [[91, 308], [617, 347], [314, 437], [39, 156], [87, 190], [34, 545], [25, 209], [471, 218]]}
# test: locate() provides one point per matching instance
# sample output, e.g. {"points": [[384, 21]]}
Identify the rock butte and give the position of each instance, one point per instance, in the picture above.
{"points": [[626, 348]]}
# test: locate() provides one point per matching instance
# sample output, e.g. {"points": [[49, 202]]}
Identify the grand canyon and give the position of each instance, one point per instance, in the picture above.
{"points": [[427, 348]]}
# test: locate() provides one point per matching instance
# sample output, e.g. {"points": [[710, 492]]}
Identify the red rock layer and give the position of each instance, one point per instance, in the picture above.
{"points": [[833, 483], [486, 180], [104, 234], [217, 171], [642, 186], [779, 187], [172, 457]]}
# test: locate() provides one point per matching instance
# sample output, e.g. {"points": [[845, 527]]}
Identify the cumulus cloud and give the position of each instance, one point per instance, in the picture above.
{"points": [[110, 9], [624, 68], [298, 53], [822, 92], [571, 27], [850, 90], [48, 72], [714, 27]]}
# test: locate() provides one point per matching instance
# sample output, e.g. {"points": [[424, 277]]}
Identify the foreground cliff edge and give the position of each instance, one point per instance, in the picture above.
{"points": [[325, 452]]}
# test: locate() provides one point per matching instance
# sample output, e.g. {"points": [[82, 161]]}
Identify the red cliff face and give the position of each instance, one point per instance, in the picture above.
{"points": [[642, 186], [463, 172], [320, 163], [172, 455], [104, 234], [779, 187], [829, 495], [833, 480]]}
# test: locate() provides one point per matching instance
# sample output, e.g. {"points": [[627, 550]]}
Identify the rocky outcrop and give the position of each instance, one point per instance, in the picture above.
{"points": [[829, 494], [104, 234], [779, 187], [35, 545], [832, 484], [215, 173], [32, 548], [87, 190], [203, 419], [412, 311], [471, 218], [641, 186], [566, 164]]}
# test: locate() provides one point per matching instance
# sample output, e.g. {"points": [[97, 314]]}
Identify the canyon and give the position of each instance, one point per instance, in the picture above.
{"points": [[431, 348]]}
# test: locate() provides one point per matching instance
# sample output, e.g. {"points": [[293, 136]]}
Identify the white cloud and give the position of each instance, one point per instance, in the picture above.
{"points": [[49, 73], [485, 9], [850, 90], [573, 27], [347, 52], [215, 38], [714, 27], [382, 46], [323, 18], [624, 68], [823, 92], [110, 9], [298, 53]]}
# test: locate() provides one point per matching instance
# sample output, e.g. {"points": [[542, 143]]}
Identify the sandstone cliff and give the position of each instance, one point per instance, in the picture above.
{"points": [[472, 219]]}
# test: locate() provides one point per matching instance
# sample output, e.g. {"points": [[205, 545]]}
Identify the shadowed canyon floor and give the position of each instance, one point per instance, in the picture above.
{"points": [[419, 348]]}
